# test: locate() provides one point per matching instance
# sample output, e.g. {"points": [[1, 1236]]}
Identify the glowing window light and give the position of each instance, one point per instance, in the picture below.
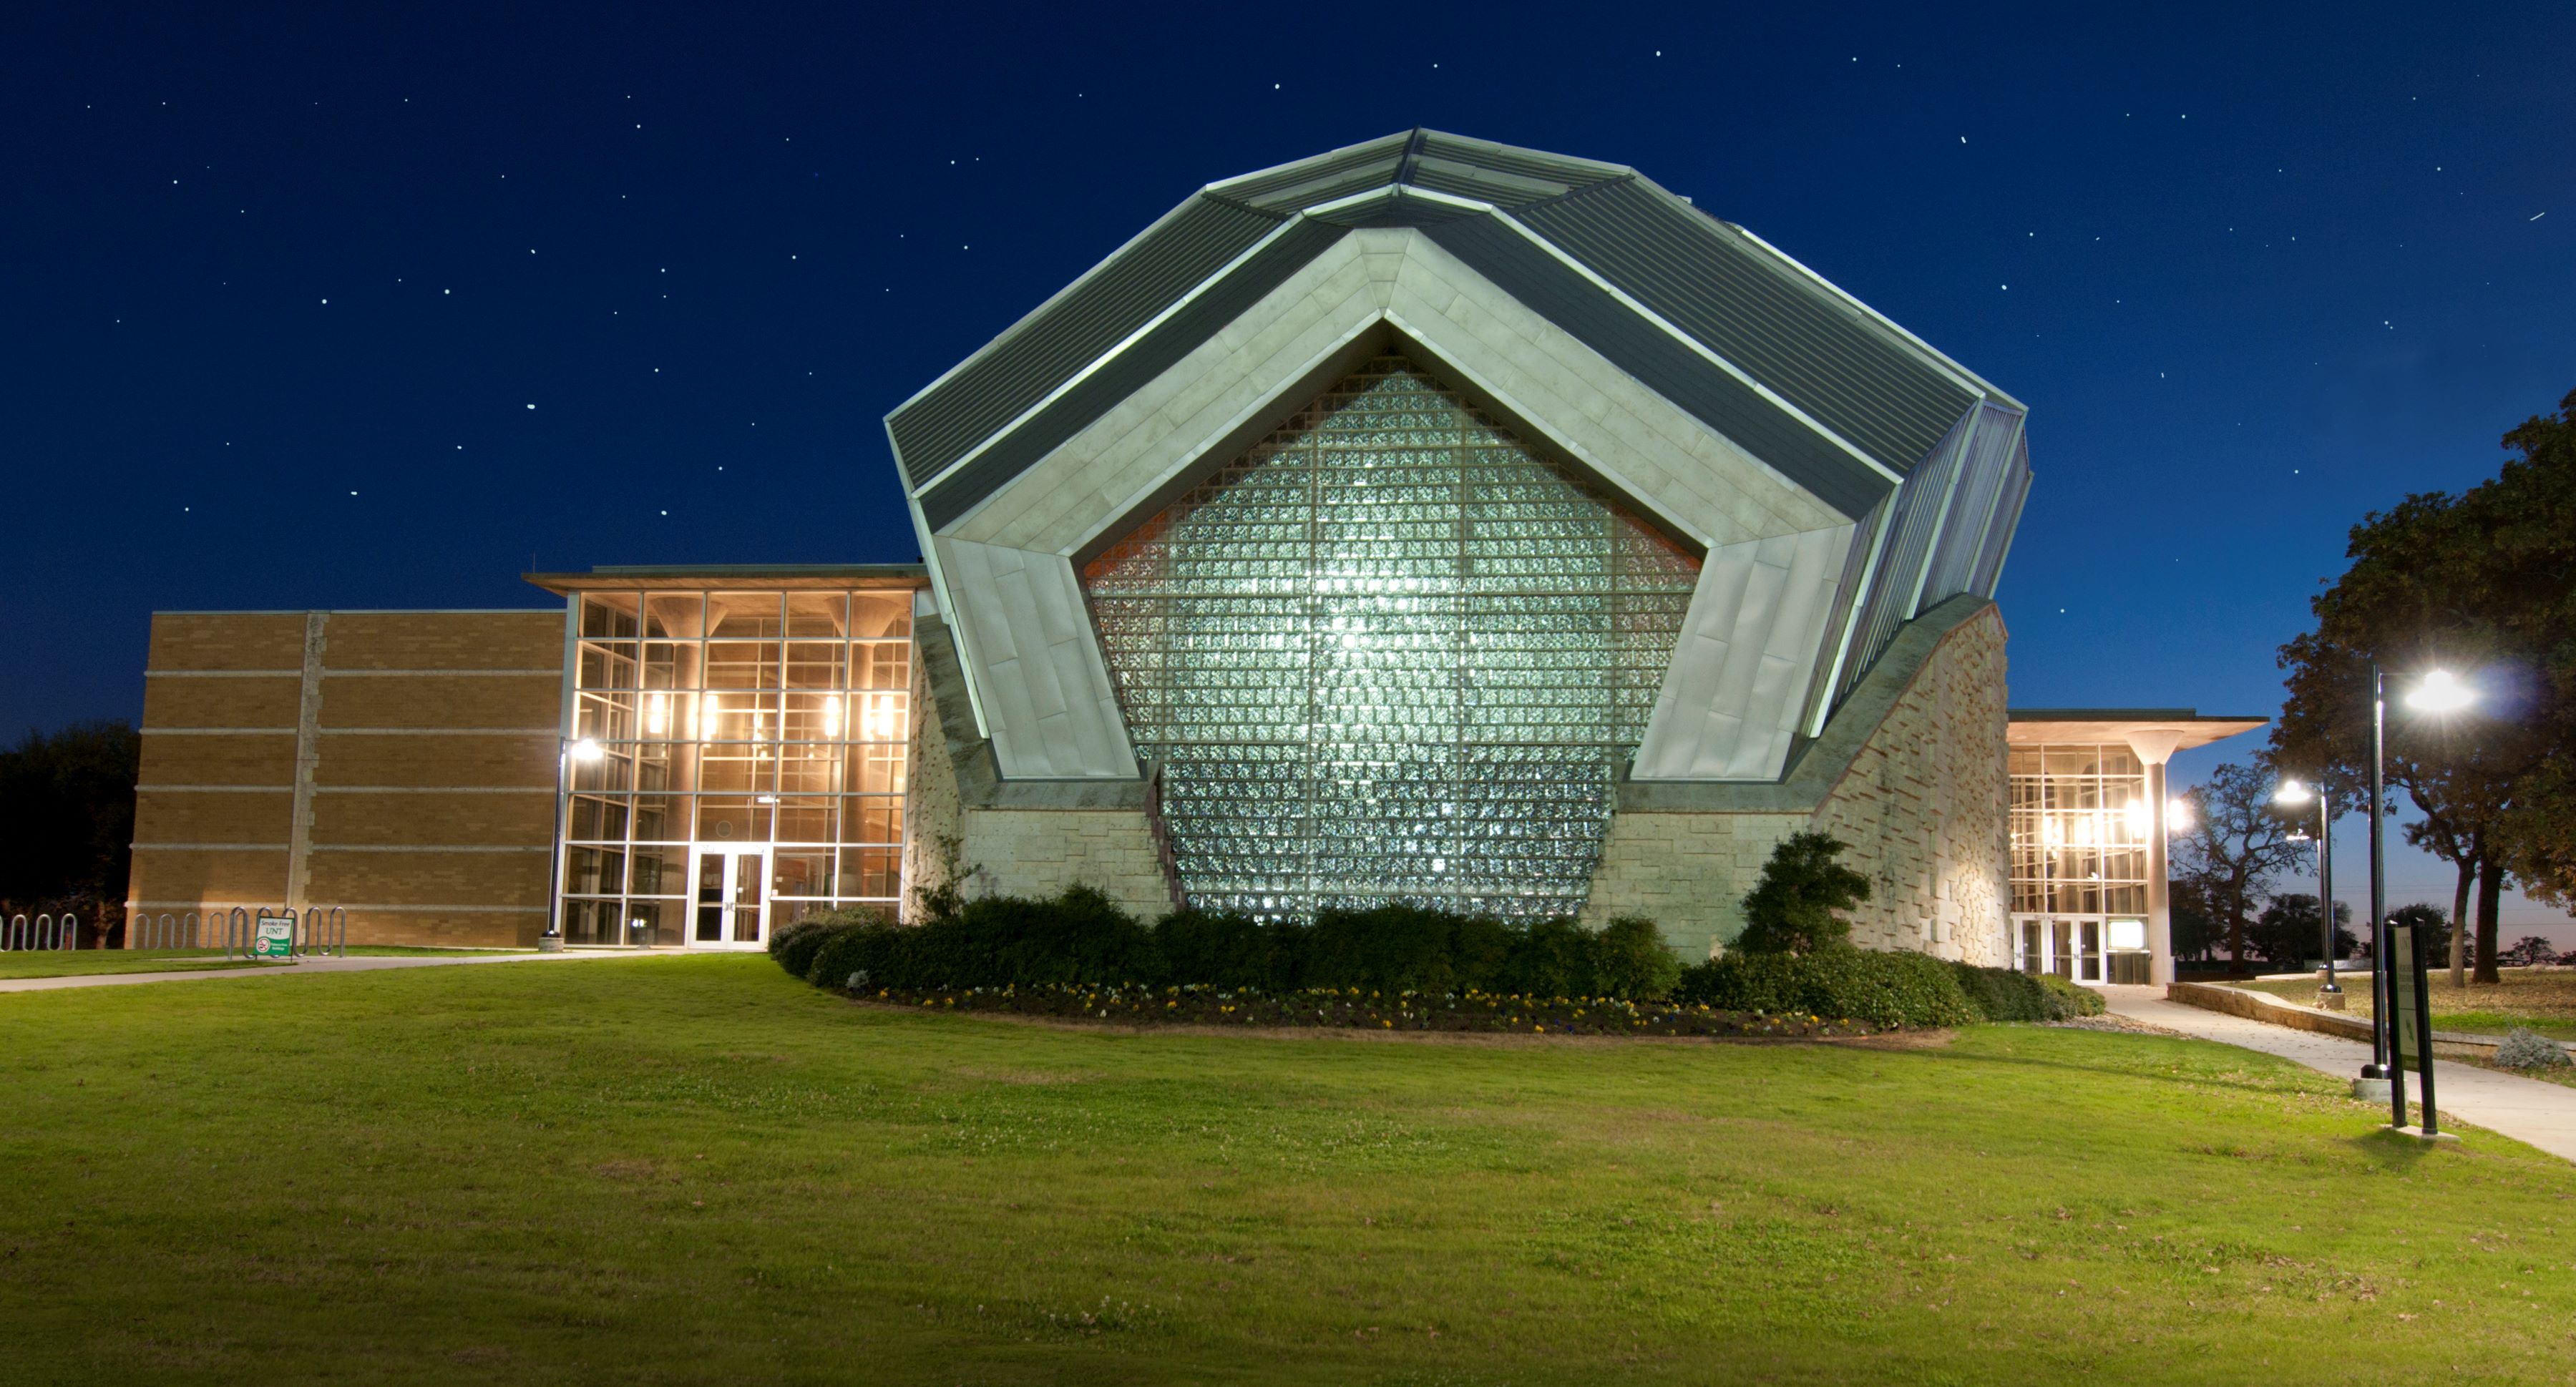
{"points": [[657, 714], [2139, 819], [832, 716], [2178, 816], [709, 708]]}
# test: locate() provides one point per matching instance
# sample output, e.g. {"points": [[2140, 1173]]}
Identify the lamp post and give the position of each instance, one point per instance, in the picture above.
{"points": [[2436, 691], [567, 751], [2294, 793]]}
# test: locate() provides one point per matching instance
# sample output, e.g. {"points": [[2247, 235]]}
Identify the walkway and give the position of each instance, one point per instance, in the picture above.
{"points": [[2527, 1110], [304, 967]]}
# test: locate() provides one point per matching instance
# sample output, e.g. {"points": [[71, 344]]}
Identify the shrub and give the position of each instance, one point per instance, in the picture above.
{"points": [[1631, 961], [1082, 937], [1552, 958], [795, 946], [1392, 948], [1228, 950], [1791, 910], [1884, 989], [2002, 994], [2068, 1000], [2524, 1048]]}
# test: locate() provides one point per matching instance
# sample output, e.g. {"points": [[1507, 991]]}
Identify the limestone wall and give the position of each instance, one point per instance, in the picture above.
{"points": [[1018, 838], [1910, 773]]}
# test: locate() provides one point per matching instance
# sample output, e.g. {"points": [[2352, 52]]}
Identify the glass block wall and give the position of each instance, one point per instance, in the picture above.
{"points": [[1389, 654]]}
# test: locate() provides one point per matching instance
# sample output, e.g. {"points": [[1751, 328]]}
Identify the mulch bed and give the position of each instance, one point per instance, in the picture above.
{"points": [[1355, 1009]]}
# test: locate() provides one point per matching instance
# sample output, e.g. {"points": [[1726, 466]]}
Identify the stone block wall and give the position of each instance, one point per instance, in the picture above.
{"points": [[1020, 838], [1924, 807], [1910, 773]]}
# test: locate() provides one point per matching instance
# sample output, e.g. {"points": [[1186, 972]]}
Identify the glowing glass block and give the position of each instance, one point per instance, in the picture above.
{"points": [[1389, 654]]}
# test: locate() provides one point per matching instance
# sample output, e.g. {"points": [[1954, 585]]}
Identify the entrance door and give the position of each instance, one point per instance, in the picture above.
{"points": [[730, 910]]}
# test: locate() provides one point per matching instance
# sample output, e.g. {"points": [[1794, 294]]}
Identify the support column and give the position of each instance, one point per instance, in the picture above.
{"points": [[308, 758], [2155, 746]]}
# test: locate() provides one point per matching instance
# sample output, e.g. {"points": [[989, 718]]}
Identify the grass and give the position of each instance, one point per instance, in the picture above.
{"points": [[2544, 1002], [699, 1170], [64, 963]]}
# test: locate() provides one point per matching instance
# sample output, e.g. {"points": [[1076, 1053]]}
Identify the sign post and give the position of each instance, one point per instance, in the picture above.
{"points": [[2410, 1028]]}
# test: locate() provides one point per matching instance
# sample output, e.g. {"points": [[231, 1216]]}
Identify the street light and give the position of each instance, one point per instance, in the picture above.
{"points": [[2294, 793], [2436, 691], [567, 750]]}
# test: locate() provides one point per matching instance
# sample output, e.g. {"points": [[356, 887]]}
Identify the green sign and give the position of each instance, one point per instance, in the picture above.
{"points": [[275, 939]]}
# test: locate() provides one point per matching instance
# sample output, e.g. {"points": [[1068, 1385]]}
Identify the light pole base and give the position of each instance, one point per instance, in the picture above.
{"points": [[2420, 1134], [2370, 1091], [549, 943]]}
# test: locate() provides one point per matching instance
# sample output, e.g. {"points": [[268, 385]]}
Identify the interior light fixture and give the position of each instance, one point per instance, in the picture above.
{"points": [[2178, 816], [584, 750], [832, 715], [2292, 792], [2139, 820], [657, 714]]}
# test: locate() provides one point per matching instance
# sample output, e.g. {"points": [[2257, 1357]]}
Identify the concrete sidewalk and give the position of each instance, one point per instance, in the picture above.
{"points": [[304, 967], [2527, 1110]]}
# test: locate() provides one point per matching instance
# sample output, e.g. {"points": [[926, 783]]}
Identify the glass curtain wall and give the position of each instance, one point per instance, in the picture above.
{"points": [[1389, 655], [2080, 827], [766, 727]]}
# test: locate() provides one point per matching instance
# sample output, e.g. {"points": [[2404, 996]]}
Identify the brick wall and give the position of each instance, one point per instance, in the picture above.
{"points": [[396, 765]]}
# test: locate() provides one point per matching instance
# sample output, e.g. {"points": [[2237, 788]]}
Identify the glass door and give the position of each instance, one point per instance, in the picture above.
{"points": [[729, 908]]}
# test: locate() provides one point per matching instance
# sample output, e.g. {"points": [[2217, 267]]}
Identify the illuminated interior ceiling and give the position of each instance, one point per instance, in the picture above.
{"points": [[1389, 653]]}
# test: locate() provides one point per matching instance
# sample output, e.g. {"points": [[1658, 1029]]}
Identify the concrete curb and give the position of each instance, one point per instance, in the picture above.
{"points": [[2263, 1006]]}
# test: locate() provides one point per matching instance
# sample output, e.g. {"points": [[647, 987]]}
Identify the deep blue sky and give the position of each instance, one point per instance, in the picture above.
{"points": [[280, 294]]}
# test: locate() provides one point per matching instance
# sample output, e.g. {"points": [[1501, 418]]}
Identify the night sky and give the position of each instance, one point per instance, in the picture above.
{"points": [[370, 311]]}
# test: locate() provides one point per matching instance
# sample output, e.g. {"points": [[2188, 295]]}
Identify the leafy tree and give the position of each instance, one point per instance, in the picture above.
{"points": [[1791, 910], [2288, 931], [2236, 844], [2195, 931], [2531, 949], [67, 821], [2531, 511], [2431, 925], [2483, 583]]}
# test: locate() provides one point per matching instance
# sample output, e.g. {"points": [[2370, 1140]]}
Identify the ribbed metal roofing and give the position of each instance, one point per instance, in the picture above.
{"points": [[1752, 343]]}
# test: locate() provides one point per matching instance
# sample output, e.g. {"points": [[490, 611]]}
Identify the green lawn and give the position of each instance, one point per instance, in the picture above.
{"points": [[63, 963], [698, 1170]]}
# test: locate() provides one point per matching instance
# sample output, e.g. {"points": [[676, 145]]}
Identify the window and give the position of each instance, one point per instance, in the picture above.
{"points": [[735, 717]]}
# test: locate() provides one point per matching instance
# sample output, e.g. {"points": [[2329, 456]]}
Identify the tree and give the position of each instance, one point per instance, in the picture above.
{"points": [[2235, 846], [2195, 930], [67, 821], [2483, 583], [2533, 538], [2529, 950], [1791, 910], [2289, 932], [2430, 924]]}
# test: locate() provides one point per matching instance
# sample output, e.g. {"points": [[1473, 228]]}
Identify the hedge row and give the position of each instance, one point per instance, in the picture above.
{"points": [[1082, 937], [1885, 989]]}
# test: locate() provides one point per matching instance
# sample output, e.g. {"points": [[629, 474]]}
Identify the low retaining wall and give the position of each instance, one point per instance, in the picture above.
{"points": [[2262, 1006]]}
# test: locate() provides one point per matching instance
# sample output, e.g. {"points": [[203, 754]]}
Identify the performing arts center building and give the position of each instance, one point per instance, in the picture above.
{"points": [[1429, 520]]}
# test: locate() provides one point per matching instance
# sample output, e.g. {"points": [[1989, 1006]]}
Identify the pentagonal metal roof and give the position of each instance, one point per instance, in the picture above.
{"points": [[1703, 312]]}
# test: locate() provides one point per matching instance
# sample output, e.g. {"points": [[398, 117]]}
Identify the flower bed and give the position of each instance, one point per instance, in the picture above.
{"points": [[1357, 1009]]}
